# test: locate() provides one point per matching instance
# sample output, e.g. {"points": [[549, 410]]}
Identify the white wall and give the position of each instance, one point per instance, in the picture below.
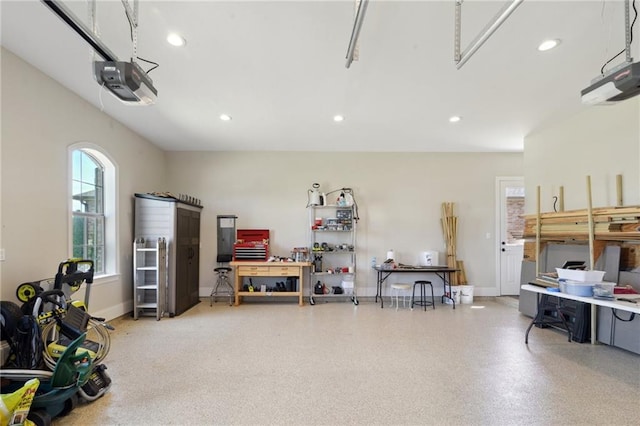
{"points": [[40, 120], [399, 194], [601, 142], [399, 197]]}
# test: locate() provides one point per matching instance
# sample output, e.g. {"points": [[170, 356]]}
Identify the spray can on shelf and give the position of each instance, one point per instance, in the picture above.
{"points": [[373, 262], [317, 263]]}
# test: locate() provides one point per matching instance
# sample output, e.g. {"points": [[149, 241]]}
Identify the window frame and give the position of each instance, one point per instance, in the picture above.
{"points": [[110, 187]]}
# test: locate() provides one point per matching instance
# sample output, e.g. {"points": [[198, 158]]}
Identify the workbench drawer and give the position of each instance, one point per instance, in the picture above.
{"points": [[284, 271], [253, 271]]}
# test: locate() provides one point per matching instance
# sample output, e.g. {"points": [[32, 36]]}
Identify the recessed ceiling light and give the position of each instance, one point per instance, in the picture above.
{"points": [[454, 119], [338, 118], [225, 117], [548, 45], [175, 39]]}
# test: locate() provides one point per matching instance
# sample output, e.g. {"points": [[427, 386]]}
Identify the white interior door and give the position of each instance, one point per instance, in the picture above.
{"points": [[511, 226]]}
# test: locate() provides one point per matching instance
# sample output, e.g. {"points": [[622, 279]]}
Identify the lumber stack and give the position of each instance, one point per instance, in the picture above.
{"points": [[609, 223], [450, 229], [461, 274]]}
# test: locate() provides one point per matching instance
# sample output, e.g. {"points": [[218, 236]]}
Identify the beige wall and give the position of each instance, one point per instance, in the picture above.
{"points": [[601, 142], [399, 194], [399, 197], [40, 119]]}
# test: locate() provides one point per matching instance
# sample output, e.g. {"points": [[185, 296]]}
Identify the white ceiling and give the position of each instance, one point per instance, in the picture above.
{"points": [[278, 68]]}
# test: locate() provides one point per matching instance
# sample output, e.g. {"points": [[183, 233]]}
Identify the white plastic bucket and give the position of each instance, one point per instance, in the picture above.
{"points": [[347, 285], [466, 294], [455, 294]]}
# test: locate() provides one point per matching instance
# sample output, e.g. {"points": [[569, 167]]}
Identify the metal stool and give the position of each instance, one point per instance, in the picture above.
{"points": [[422, 301], [223, 287], [395, 292]]}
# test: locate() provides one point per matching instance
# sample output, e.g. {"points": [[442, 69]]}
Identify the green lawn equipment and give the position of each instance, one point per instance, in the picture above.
{"points": [[57, 393]]}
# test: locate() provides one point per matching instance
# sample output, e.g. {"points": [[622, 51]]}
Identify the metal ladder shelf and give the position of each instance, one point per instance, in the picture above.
{"points": [[149, 277]]}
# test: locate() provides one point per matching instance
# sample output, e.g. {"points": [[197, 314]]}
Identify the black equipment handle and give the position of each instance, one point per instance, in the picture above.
{"points": [[68, 272]]}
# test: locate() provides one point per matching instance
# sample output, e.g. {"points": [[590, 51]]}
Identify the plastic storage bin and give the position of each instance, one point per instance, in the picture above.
{"points": [[603, 290], [578, 275], [576, 288]]}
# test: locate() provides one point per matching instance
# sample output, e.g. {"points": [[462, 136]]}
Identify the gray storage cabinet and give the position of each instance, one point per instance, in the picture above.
{"points": [[623, 332], [179, 223]]}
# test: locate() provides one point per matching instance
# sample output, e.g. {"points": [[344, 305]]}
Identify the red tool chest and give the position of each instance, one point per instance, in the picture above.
{"points": [[251, 244]]}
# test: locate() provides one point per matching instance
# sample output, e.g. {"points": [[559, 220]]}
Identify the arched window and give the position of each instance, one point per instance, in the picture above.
{"points": [[93, 188]]}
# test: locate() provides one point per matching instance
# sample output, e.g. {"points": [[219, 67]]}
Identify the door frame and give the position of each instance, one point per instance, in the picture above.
{"points": [[498, 226]]}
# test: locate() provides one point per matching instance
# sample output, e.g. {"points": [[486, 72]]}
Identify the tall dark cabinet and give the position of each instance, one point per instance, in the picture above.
{"points": [[187, 258], [179, 223]]}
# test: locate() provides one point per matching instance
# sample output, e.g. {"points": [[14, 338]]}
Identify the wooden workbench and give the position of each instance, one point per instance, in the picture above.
{"points": [[268, 269]]}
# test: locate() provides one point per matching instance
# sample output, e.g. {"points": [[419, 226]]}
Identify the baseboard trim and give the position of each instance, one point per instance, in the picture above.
{"points": [[114, 312]]}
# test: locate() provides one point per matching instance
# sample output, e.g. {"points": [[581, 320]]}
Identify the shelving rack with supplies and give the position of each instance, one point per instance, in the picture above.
{"points": [[332, 248], [149, 277], [606, 238]]}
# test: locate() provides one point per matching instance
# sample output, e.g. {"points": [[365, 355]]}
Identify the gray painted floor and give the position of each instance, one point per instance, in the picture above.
{"points": [[337, 364]]}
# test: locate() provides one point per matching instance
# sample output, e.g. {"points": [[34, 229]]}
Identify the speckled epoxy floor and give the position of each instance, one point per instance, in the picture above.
{"points": [[335, 364]]}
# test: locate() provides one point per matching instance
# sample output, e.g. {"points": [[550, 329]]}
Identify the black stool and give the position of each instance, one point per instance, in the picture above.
{"points": [[223, 286], [423, 295]]}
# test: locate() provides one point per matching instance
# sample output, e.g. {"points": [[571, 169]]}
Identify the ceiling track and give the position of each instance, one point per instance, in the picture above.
{"points": [[627, 31], [132, 16], [79, 27], [498, 20], [355, 33]]}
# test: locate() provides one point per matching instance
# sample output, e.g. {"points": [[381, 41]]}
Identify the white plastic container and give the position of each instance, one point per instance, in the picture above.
{"points": [[391, 255], [603, 290], [455, 294], [576, 288], [428, 258], [578, 275], [347, 285], [466, 294]]}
